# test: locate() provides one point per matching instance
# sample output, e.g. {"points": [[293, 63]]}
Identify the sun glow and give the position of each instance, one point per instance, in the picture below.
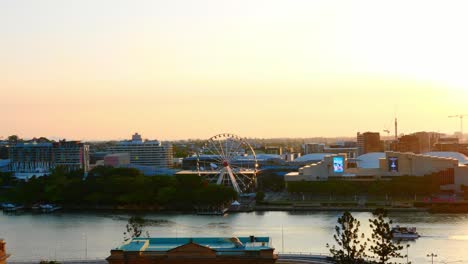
{"points": [[166, 66]]}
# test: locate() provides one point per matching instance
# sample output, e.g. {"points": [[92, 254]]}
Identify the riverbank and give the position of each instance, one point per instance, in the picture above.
{"points": [[438, 207], [285, 208], [433, 209]]}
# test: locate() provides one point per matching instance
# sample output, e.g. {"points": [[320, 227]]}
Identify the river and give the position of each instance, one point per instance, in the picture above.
{"points": [[93, 234]]}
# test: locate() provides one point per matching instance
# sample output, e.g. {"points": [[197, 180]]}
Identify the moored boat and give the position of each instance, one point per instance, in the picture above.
{"points": [[9, 207], [49, 208], [405, 233]]}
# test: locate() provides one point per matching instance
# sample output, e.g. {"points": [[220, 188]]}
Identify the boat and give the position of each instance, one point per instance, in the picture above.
{"points": [[36, 207], [404, 233], [9, 207], [49, 208]]}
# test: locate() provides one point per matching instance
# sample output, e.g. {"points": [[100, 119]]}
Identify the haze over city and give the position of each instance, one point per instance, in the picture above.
{"points": [[233, 131], [191, 69]]}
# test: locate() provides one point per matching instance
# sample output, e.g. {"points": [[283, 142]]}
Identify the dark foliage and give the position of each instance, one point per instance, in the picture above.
{"points": [[134, 228], [350, 249], [399, 186], [384, 248], [106, 186]]}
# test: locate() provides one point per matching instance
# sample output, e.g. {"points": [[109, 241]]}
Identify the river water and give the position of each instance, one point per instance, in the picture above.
{"points": [[93, 234]]}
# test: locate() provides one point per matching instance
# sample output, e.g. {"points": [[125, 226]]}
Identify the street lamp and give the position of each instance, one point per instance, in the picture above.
{"points": [[432, 256], [407, 253], [86, 245]]}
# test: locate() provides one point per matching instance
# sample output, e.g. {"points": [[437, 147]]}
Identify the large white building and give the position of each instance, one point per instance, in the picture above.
{"points": [[451, 167], [145, 153]]}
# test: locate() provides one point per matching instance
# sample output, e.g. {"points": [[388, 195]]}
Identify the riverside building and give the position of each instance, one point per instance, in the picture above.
{"points": [[451, 169], [236, 250], [28, 159], [145, 153]]}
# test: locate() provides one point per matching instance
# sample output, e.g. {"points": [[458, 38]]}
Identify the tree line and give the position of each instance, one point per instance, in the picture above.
{"points": [[398, 186], [107, 186]]}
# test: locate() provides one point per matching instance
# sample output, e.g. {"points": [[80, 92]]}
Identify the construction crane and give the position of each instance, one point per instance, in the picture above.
{"points": [[461, 122]]}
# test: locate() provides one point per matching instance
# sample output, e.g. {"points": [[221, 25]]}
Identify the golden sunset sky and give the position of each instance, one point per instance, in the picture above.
{"points": [[104, 69]]}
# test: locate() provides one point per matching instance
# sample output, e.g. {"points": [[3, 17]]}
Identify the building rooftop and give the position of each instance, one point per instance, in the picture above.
{"points": [[313, 157], [370, 160], [219, 244], [462, 159]]}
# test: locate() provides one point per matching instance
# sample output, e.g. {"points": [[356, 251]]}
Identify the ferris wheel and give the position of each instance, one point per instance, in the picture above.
{"points": [[228, 160]]}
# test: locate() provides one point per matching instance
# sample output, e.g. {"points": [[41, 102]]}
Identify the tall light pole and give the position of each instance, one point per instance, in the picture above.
{"points": [[86, 245], [432, 256], [407, 253], [461, 123]]}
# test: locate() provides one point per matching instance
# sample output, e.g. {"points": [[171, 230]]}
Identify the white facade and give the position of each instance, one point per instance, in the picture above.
{"points": [[147, 153]]}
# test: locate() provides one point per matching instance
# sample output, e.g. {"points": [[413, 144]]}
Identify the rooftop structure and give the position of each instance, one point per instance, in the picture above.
{"points": [[370, 160], [311, 158], [462, 159], [202, 250]]}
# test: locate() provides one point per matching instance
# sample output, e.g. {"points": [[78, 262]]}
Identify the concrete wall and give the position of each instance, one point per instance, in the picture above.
{"points": [[415, 164], [409, 164], [320, 171]]}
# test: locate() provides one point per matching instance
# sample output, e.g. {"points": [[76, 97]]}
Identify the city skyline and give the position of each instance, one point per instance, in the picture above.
{"points": [[176, 70]]}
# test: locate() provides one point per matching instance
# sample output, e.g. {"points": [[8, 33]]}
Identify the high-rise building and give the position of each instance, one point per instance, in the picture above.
{"points": [[369, 142], [409, 143], [419, 142], [73, 155], [145, 153], [29, 159]]}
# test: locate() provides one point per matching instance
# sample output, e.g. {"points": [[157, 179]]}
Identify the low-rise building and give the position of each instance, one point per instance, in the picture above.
{"points": [[236, 250], [451, 168], [117, 159], [310, 148]]}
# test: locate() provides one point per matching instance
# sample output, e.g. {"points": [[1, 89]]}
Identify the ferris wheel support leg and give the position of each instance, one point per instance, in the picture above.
{"points": [[233, 180], [220, 177]]}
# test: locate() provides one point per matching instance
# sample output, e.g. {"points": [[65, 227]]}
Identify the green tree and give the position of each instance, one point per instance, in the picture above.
{"points": [[13, 139], [384, 247], [260, 196], [349, 249], [134, 228]]}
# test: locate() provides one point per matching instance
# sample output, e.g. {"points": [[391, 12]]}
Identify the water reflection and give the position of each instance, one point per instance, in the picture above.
{"points": [[32, 237]]}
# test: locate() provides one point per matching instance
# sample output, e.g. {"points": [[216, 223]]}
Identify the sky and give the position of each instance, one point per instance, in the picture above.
{"points": [[97, 70]]}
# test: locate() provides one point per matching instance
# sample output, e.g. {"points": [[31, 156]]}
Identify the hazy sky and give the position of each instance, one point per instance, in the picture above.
{"points": [[103, 69]]}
